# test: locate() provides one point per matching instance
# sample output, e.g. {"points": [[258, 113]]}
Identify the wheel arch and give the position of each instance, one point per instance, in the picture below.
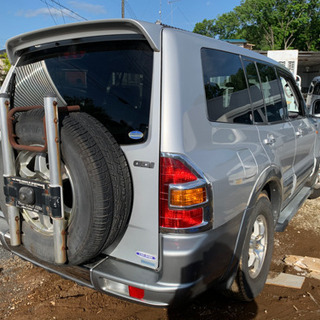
{"points": [[270, 181]]}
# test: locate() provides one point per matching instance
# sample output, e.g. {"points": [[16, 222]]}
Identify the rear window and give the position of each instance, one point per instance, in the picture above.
{"points": [[110, 80]]}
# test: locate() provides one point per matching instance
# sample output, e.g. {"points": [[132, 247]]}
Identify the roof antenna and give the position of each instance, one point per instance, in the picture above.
{"points": [[122, 9]]}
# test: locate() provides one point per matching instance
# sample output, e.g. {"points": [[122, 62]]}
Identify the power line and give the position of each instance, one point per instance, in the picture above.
{"points": [[129, 8], [185, 17], [73, 12], [54, 20], [170, 3], [65, 11], [62, 14]]}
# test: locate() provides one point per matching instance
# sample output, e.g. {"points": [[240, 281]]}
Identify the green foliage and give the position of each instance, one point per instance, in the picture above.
{"points": [[204, 28], [269, 24], [4, 66]]}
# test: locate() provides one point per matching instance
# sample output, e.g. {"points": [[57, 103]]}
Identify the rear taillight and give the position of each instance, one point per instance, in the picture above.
{"points": [[183, 195]]}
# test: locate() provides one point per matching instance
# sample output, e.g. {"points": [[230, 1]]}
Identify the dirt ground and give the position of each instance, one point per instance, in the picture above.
{"points": [[28, 292]]}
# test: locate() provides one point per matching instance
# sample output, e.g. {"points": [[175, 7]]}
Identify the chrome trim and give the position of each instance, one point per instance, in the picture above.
{"points": [[189, 185], [258, 246], [207, 206], [9, 169], [200, 183], [53, 139]]}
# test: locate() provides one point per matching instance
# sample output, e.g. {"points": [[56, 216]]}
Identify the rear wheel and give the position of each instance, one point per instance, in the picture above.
{"points": [[315, 193], [257, 252], [35, 166], [96, 183]]}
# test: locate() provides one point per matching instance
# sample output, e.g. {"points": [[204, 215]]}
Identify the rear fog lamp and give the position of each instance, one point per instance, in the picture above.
{"points": [[117, 287], [122, 289]]}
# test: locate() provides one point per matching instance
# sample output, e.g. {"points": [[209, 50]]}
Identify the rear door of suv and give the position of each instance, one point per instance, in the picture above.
{"points": [[276, 134], [304, 130]]}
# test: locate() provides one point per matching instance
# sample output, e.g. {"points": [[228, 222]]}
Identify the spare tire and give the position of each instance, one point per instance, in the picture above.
{"points": [[97, 187]]}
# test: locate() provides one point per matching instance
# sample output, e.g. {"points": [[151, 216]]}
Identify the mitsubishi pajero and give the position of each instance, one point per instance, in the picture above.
{"points": [[149, 162]]}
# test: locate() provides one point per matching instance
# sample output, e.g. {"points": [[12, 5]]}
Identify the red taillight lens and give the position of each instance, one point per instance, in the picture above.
{"points": [[136, 292], [173, 171]]}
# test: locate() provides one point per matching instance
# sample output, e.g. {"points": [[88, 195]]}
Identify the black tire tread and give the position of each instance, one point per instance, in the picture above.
{"points": [[119, 173], [97, 169]]}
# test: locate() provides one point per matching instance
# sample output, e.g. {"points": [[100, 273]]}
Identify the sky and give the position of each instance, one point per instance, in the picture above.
{"points": [[19, 16]]}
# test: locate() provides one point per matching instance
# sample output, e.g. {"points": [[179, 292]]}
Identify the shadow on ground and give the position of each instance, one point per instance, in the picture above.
{"points": [[212, 305]]}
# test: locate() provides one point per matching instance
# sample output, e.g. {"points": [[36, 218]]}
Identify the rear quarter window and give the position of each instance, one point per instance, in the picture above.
{"points": [[225, 87]]}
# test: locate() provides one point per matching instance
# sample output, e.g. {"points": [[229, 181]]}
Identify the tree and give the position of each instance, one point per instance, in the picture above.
{"points": [[4, 67], [228, 26], [309, 32], [271, 24], [205, 28]]}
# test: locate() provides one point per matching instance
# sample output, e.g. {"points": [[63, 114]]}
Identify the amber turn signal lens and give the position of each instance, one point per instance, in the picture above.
{"points": [[189, 197]]}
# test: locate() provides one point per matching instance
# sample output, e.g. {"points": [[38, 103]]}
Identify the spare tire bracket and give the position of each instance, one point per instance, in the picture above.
{"points": [[46, 199]]}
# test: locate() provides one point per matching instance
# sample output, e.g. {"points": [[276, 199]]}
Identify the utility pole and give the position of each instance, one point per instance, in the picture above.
{"points": [[122, 9]]}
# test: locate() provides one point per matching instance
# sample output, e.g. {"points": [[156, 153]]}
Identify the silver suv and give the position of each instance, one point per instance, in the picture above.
{"points": [[149, 162]]}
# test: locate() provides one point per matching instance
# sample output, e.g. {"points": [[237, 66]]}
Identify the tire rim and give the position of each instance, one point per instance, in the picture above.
{"points": [[258, 246], [317, 183], [35, 166]]}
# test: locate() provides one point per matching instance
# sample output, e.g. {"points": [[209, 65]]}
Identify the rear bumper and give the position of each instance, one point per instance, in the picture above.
{"points": [[190, 264]]}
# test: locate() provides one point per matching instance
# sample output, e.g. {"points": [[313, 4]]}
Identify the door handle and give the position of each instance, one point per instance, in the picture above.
{"points": [[299, 132], [270, 140]]}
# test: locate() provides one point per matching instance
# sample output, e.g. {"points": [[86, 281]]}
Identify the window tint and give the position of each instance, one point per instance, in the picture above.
{"points": [[317, 89], [111, 80], [317, 107], [259, 112], [271, 93], [225, 86]]}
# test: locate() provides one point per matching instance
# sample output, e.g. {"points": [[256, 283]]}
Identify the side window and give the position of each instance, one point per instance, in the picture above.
{"points": [[291, 99], [225, 86], [259, 112], [317, 89], [271, 93]]}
